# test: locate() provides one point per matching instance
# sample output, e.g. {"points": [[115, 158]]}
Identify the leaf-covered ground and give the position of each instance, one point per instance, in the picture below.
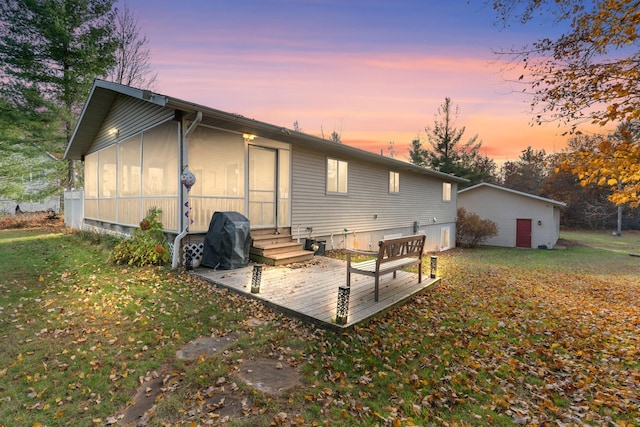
{"points": [[498, 344], [509, 337]]}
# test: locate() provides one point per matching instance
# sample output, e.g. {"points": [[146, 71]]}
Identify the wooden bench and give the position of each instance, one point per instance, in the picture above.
{"points": [[392, 255]]}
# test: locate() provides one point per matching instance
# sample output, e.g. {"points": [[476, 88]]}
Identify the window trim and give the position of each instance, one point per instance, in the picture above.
{"points": [[394, 182], [447, 189], [337, 178]]}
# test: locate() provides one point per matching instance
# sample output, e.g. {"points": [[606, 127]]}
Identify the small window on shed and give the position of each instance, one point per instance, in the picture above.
{"points": [[394, 182], [446, 191]]}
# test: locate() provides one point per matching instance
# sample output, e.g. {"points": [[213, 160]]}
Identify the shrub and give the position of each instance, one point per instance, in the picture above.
{"points": [[471, 230], [147, 245], [97, 238]]}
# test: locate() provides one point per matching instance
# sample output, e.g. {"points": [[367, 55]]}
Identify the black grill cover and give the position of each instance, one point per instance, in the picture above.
{"points": [[226, 245]]}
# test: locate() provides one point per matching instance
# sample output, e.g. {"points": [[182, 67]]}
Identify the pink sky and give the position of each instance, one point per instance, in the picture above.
{"points": [[373, 71]]}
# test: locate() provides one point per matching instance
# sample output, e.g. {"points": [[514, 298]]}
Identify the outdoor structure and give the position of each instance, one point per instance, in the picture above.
{"points": [[524, 220], [142, 150]]}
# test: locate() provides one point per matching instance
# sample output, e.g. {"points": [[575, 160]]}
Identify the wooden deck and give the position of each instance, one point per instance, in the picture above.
{"points": [[309, 291]]}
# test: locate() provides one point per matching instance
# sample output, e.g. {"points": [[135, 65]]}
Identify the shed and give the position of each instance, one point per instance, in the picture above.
{"points": [[524, 220]]}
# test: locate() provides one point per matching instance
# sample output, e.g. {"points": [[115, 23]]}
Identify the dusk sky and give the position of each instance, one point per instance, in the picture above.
{"points": [[374, 71]]}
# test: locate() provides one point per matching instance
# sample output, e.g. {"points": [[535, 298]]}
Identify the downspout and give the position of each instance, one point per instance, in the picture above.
{"points": [[175, 260]]}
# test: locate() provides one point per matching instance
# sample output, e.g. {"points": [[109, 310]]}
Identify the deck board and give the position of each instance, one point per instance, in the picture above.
{"points": [[310, 291]]}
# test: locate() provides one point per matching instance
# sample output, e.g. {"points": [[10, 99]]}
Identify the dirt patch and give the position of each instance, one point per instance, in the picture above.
{"points": [[227, 406], [152, 387], [270, 376], [33, 220], [155, 384], [566, 243], [207, 346]]}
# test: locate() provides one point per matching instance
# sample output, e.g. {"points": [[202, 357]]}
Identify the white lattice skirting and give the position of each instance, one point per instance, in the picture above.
{"points": [[192, 252]]}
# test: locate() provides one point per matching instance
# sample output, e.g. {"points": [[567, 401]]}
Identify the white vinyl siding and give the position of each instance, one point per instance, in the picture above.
{"points": [[504, 208], [128, 117], [370, 207]]}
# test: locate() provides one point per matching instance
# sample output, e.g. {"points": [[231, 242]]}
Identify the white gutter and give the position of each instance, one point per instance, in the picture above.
{"points": [[175, 261]]}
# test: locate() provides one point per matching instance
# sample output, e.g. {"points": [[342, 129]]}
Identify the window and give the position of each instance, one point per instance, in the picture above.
{"points": [[446, 191], [337, 171], [394, 182]]}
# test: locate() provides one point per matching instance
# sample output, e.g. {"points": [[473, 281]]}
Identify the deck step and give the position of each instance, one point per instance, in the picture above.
{"points": [[259, 240], [276, 247], [283, 258], [260, 248]]}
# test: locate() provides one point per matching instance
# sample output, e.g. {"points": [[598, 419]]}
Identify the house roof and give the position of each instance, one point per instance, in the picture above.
{"points": [[104, 93], [509, 190]]}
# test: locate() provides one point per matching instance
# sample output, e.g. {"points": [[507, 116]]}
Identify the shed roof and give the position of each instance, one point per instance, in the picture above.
{"points": [[509, 190], [104, 93]]}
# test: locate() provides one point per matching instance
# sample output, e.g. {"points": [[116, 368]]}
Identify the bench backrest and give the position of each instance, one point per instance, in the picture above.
{"points": [[401, 247]]}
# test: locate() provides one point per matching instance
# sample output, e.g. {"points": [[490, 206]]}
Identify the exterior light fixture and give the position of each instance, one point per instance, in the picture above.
{"points": [[256, 278], [248, 137], [342, 313]]}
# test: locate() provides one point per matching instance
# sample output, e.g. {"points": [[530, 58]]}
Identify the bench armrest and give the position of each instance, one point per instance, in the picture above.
{"points": [[350, 252], [356, 252]]}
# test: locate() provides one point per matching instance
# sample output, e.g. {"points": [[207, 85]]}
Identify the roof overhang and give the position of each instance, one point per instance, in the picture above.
{"points": [[95, 110], [509, 190], [104, 93]]}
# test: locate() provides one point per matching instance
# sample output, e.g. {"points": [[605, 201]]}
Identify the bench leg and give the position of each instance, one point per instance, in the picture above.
{"points": [[420, 273], [348, 270], [394, 274], [376, 292]]}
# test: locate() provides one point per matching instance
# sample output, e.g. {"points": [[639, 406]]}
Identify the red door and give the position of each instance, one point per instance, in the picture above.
{"points": [[523, 233]]}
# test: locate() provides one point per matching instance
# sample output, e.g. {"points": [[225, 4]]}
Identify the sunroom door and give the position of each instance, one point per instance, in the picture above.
{"points": [[262, 186]]}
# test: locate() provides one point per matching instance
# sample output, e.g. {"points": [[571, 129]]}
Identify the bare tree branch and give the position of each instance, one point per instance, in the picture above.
{"points": [[133, 56]]}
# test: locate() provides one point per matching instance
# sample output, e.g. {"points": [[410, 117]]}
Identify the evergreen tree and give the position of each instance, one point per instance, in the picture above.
{"points": [[50, 53], [447, 152], [527, 173], [417, 153]]}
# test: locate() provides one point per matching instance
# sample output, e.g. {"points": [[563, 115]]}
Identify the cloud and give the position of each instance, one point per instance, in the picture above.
{"points": [[378, 73]]}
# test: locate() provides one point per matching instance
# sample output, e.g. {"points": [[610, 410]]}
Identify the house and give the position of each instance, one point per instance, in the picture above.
{"points": [[524, 220], [136, 145]]}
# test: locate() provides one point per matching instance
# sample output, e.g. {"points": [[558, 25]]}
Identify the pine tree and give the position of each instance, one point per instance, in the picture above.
{"points": [[50, 53]]}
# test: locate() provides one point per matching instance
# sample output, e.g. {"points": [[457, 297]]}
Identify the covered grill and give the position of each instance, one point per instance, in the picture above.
{"points": [[227, 243]]}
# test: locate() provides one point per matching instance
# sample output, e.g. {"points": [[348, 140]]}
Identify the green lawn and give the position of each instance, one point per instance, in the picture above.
{"points": [[509, 337]]}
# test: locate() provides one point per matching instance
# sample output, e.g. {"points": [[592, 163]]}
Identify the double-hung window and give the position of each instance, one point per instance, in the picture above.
{"points": [[337, 176], [446, 191], [394, 182]]}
